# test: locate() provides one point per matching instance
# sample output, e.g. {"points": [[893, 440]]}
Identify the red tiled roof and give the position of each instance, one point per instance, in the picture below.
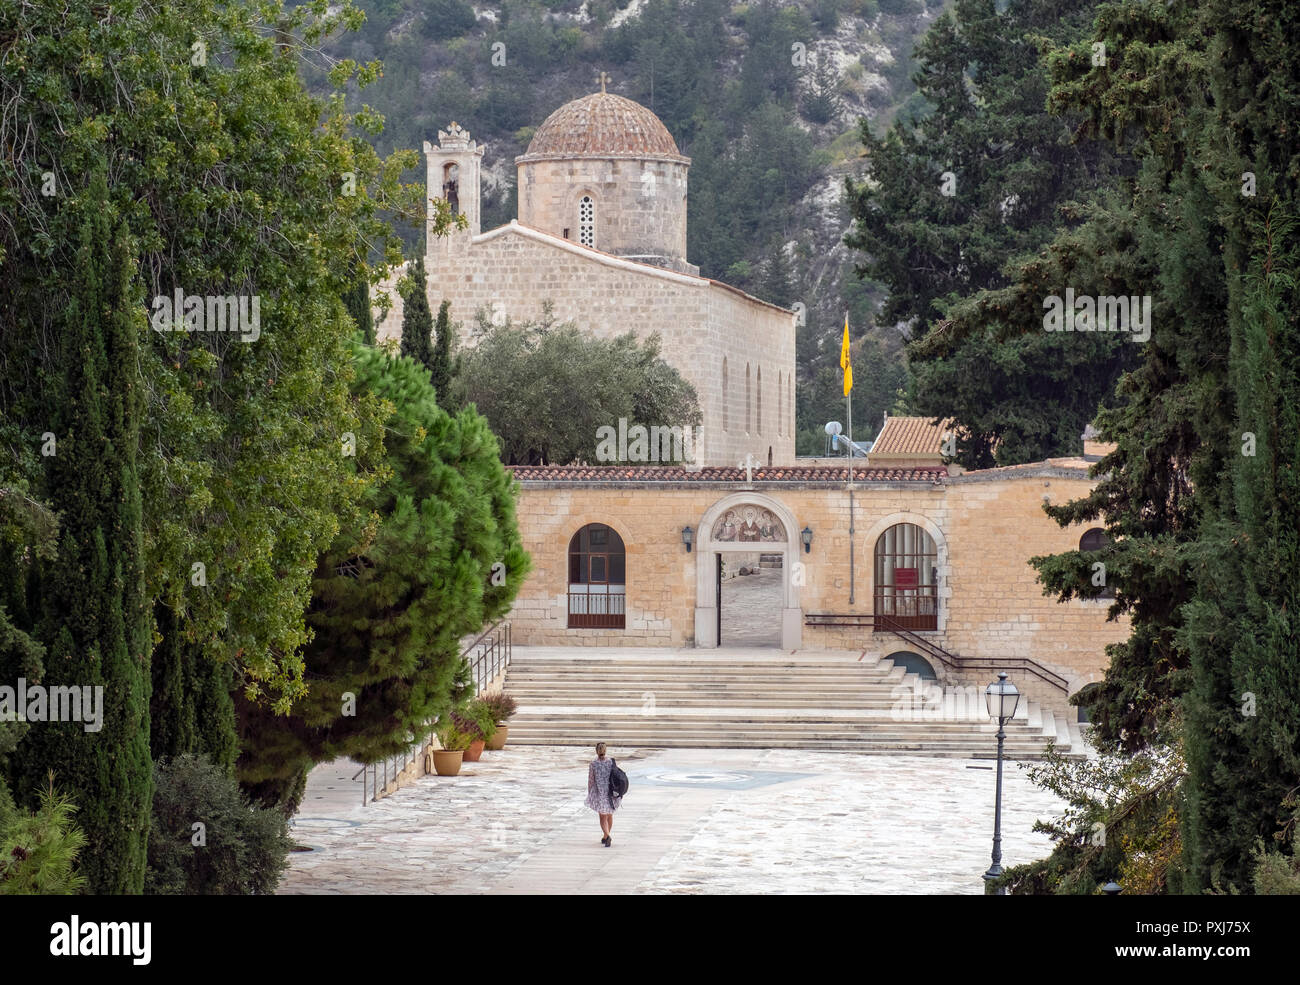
{"points": [[910, 436], [600, 125], [677, 473]]}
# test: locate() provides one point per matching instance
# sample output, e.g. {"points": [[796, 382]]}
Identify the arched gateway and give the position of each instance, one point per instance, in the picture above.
{"points": [[746, 521]]}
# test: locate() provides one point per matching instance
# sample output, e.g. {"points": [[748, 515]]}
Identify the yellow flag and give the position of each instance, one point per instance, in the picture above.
{"points": [[845, 364]]}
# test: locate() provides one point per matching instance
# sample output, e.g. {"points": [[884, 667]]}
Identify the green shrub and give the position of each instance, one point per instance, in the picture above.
{"points": [[500, 706], [452, 738], [485, 725], [240, 850]]}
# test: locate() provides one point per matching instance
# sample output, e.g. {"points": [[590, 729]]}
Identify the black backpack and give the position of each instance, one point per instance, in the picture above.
{"points": [[617, 780]]}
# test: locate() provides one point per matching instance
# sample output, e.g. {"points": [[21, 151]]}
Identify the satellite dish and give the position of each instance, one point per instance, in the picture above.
{"points": [[833, 428]]}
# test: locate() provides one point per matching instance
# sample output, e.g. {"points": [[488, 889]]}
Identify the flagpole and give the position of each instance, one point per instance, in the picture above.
{"points": [[848, 401]]}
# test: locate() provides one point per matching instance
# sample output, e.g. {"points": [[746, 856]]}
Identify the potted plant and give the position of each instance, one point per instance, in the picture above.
{"points": [[499, 708], [475, 722], [454, 742]]}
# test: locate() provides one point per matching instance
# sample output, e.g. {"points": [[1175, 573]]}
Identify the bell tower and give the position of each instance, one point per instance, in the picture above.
{"points": [[453, 174]]}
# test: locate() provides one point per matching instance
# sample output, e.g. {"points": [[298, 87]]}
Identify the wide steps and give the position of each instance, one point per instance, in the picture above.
{"points": [[833, 702]]}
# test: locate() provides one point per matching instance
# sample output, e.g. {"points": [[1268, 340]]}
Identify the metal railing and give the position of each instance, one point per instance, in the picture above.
{"points": [[959, 665], [393, 765], [493, 656]]}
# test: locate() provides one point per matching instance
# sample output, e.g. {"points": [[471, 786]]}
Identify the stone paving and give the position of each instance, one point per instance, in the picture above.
{"points": [[751, 609], [695, 821]]}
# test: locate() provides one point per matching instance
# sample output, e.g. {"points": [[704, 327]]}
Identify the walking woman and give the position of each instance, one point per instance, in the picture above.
{"points": [[599, 798]]}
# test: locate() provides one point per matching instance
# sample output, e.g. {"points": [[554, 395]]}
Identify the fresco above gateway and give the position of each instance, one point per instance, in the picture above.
{"points": [[749, 525]]}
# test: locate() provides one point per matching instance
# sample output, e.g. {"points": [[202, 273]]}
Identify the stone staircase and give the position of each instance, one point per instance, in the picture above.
{"points": [[739, 699]]}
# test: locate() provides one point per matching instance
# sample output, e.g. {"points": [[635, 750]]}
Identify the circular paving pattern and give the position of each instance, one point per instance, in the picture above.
{"points": [[697, 776]]}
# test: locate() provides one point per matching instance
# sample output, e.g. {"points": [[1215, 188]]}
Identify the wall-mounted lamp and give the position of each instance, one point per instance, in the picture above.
{"points": [[806, 536], [688, 536]]}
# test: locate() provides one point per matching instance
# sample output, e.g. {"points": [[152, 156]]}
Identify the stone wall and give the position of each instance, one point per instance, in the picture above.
{"points": [[987, 525]]}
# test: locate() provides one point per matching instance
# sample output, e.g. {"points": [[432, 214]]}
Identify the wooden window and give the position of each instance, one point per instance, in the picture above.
{"points": [[906, 586], [597, 579]]}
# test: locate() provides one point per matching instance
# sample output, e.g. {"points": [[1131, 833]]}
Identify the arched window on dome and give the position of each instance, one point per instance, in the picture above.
{"points": [[587, 221], [726, 394]]}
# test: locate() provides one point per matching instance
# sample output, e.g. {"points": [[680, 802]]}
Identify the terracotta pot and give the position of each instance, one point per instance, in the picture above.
{"points": [[446, 762], [474, 751], [498, 740]]}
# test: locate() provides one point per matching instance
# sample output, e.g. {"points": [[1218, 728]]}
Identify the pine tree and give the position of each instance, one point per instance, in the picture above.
{"points": [[395, 594], [417, 319], [822, 102], [982, 179], [96, 621]]}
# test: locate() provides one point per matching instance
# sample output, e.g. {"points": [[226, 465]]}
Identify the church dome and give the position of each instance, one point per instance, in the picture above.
{"points": [[602, 125]]}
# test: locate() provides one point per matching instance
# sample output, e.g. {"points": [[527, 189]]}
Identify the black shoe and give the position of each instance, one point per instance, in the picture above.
{"points": [[605, 841]]}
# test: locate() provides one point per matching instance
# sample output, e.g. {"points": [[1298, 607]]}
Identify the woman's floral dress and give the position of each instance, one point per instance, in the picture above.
{"points": [[598, 798]]}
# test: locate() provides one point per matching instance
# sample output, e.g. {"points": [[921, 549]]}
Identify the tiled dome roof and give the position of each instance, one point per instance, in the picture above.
{"points": [[602, 125]]}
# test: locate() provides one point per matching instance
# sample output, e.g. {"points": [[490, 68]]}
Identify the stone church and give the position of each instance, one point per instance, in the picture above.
{"points": [[601, 237], [899, 557]]}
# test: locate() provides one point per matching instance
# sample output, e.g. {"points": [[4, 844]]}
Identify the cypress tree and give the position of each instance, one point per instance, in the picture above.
{"points": [[417, 319], [191, 711], [442, 368], [95, 621], [357, 301], [1243, 746]]}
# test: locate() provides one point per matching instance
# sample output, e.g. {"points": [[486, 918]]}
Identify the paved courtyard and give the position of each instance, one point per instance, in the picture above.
{"points": [[751, 609], [694, 821]]}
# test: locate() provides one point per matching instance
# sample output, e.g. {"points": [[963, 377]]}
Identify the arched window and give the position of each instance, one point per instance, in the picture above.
{"points": [[907, 584], [1096, 539], [1085, 697], [726, 394], [451, 186], [759, 387], [914, 663], [597, 579], [587, 221], [747, 401]]}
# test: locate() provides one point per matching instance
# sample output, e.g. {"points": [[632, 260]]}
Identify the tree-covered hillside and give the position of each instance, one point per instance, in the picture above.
{"points": [[764, 97]]}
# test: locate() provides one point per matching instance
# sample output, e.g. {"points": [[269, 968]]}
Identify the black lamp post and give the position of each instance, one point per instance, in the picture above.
{"points": [[688, 536], [1001, 698], [806, 536]]}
